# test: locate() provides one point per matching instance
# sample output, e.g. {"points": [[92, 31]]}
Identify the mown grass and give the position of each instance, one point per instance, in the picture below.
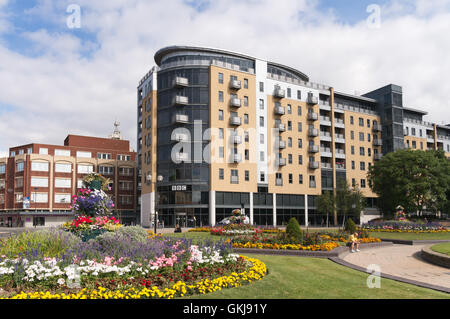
{"points": [[443, 248], [292, 277]]}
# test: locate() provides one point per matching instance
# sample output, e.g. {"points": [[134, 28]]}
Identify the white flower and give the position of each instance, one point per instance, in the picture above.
{"points": [[61, 281]]}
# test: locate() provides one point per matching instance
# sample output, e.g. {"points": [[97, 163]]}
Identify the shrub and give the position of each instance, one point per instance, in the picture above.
{"points": [[350, 226], [293, 230], [131, 233]]}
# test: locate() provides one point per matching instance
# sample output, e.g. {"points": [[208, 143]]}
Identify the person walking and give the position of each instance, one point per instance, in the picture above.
{"points": [[355, 242]]}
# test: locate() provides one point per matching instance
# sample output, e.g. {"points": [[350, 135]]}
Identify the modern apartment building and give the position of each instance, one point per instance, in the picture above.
{"points": [[219, 130], [37, 181]]}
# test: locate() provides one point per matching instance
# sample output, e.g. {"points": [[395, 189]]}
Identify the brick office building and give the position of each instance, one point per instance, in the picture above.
{"points": [[37, 181]]}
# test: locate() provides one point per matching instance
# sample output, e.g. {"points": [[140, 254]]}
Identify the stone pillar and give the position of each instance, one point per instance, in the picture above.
{"points": [[274, 209], [212, 208], [251, 208], [306, 210], [147, 209]]}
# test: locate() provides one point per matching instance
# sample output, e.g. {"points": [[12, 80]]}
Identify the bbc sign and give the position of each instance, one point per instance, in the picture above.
{"points": [[179, 187]]}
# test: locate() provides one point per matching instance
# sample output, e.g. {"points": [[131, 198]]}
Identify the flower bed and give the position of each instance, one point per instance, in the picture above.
{"points": [[320, 247], [117, 265], [404, 226]]}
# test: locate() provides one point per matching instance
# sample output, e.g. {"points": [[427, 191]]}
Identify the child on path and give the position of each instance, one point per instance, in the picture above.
{"points": [[355, 242]]}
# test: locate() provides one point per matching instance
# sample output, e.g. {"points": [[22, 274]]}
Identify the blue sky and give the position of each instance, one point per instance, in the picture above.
{"points": [[59, 80]]}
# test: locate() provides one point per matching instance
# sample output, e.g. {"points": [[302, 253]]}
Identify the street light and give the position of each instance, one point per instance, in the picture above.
{"points": [[160, 178]]}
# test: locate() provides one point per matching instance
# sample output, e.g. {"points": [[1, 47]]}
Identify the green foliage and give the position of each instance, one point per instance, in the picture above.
{"points": [[349, 201], [293, 230], [414, 179], [326, 203], [51, 241], [350, 226], [135, 233]]}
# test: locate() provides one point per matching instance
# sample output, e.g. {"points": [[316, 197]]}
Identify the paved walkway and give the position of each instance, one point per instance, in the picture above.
{"points": [[402, 261]]}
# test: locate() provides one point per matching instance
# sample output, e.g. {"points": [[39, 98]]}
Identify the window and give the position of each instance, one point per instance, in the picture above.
{"points": [[261, 86], [123, 157], [289, 109], [62, 198], [62, 152], [246, 137], [2, 169], [352, 135], [84, 154], [361, 121], [221, 154], [261, 138], [369, 152], [290, 158], [353, 164], [413, 131], [420, 132], [353, 182], [299, 94], [19, 182], [39, 197], [299, 110], [288, 92], [125, 185], [289, 126], [85, 169], [126, 171], [262, 177], [368, 137], [352, 150], [43, 151], [2, 198], [291, 179], [361, 151], [299, 127], [39, 182], [19, 197], [261, 156], [247, 176], [363, 183], [221, 78], [30, 150], [261, 121], [351, 120], [63, 168], [220, 96], [125, 199], [245, 83], [247, 155], [289, 141], [234, 176], [300, 178], [300, 160], [261, 104], [20, 166], [361, 136], [245, 118], [300, 143], [362, 166], [63, 182], [2, 183], [414, 145], [312, 181], [221, 173], [368, 123], [39, 166], [220, 115], [80, 183], [106, 170], [105, 156]]}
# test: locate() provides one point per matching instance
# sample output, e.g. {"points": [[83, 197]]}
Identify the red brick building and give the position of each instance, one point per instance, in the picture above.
{"points": [[37, 181]]}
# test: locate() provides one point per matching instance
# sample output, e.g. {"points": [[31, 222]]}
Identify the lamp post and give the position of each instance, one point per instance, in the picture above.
{"points": [[160, 178]]}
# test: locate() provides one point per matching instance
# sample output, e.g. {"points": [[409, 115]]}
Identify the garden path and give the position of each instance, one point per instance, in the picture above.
{"points": [[402, 261]]}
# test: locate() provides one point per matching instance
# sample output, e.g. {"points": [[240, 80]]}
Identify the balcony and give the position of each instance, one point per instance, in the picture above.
{"points": [[377, 156], [180, 82], [235, 120], [180, 100], [235, 84], [281, 161], [236, 158], [180, 118], [314, 165], [236, 139], [181, 157], [326, 165], [339, 153], [339, 122], [180, 137], [279, 110], [281, 127], [313, 148], [279, 92], [377, 142], [235, 102], [313, 132], [377, 128], [313, 116], [311, 99], [281, 144]]}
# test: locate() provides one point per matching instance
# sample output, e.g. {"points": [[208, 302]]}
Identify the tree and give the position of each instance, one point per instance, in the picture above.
{"points": [[417, 180], [349, 201], [326, 204]]}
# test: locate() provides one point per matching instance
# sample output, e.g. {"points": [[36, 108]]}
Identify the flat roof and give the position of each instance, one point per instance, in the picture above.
{"points": [[357, 97], [410, 109]]}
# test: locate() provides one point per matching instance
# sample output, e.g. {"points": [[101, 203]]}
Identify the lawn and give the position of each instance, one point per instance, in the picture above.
{"points": [[411, 236], [443, 248], [292, 277]]}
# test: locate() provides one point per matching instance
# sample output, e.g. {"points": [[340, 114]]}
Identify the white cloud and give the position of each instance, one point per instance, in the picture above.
{"points": [[60, 91]]}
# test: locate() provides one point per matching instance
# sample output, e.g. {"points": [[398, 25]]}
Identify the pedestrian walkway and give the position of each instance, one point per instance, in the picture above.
{"points": [[402, 261]]}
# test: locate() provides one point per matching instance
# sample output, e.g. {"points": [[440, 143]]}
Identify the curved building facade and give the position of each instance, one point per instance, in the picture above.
{"points": [[220, 130]]}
